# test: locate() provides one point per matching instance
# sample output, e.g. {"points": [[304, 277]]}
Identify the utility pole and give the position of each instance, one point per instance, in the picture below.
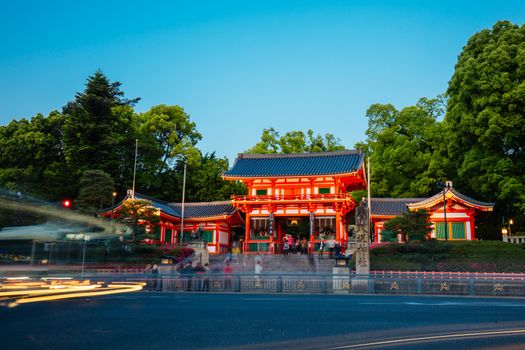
{"points": [[182, 204]]}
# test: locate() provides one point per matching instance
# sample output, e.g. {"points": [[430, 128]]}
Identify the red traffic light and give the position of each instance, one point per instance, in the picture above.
{"points": [[66, 203]]}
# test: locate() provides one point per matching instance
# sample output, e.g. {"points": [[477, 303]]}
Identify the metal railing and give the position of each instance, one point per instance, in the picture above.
{"points": [[331, 284]]}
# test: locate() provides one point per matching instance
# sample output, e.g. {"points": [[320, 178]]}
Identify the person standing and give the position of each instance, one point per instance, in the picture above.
{"points": [[321, 249], [258, 271], [200, 271], [227, 276], [147, 272], [155, 273], [206, 281], [258, 259], [286, 247], [188, 272]]}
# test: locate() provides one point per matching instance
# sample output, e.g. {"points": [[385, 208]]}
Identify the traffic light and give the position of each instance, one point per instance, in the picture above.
{"points": [[67, 203]]}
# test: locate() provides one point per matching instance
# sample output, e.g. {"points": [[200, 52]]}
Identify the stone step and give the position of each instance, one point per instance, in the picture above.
{"points": [[275, 263]]}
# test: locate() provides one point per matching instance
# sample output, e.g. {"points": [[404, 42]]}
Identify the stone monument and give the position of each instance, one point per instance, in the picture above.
{"points": [[362, 238]]}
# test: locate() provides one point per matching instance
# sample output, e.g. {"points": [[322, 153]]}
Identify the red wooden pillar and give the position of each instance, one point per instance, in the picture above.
{"points": [[471, 213], [217, 238], [247, 233]]}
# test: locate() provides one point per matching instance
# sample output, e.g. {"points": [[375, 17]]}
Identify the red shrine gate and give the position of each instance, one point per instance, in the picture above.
{"points": [[305, 196]]}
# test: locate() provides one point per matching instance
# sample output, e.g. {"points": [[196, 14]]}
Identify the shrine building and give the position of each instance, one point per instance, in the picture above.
{"points": [[460, 211], [211, 221], [304, 196]]}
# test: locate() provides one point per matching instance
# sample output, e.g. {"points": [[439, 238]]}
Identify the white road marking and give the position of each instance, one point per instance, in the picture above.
{"points": [[435, 337]]}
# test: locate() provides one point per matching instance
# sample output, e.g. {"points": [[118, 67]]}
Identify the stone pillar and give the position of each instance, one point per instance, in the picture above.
{"points": [[362, 256]]}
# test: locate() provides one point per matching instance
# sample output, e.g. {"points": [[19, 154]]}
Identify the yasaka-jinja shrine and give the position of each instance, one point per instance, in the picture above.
{"points": [[305, 197]]}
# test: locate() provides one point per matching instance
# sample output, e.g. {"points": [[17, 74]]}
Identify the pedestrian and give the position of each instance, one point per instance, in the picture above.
{"points": [[229, 257], [147, 272], [155, 273], [331, 247], [258, 271], [258, 259], [200, 271], [206, 280], [227, 276], [286, 247], [188, 274], [321, 249]]}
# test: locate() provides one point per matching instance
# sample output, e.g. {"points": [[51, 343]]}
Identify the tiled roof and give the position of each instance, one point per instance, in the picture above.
{"points": [[165, 207], [391, 206], [297, 164], [205, 209], [192, 210], [439, 198]]}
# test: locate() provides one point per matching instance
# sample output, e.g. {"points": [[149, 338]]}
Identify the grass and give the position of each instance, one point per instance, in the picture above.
{"points": [[467, 256]]}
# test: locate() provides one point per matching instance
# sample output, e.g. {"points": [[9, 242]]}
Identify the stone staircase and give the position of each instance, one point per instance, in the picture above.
{"points": [[275, 263]]}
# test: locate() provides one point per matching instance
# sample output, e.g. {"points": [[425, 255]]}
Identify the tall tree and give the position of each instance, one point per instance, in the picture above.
{"points": [[167, 138], [92, 130], [402, 145], [486, 116]]}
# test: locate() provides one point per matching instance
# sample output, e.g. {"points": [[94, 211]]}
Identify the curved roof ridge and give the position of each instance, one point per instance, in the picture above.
{"points": [[389, 199], [195, 204], [297, 155]]}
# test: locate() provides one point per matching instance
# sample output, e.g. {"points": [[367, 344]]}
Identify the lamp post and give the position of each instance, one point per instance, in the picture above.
{"points": [[510, 224], [182, 205], [113, 196], [444, 186], [86, 238], [504, 232]]}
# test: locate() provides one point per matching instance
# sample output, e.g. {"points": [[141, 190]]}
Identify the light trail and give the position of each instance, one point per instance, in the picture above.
{"points": [[15, 292], [400, 341]]}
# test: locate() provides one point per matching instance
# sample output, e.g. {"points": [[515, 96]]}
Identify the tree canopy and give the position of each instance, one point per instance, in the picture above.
{"points": [[295, 142], [402, 145], [486, 115]]}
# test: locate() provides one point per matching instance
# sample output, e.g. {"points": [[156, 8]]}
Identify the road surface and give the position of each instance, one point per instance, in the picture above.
{"points": [[249, 321]]}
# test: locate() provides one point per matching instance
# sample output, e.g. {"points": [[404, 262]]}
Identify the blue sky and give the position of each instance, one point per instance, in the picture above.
{"points": [[240, 66]]}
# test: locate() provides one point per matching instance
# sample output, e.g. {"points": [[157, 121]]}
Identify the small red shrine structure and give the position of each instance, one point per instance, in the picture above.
{"points": [[306, 196], [212, 221], [461, 213]]}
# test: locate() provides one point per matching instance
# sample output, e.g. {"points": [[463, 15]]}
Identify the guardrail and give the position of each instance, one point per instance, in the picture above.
{"points": [[379, 282], [328, 284]]}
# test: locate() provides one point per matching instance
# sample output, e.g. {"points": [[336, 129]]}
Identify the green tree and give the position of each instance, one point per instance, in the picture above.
{"points": [[167, 138], [92, 130], [486, 117], [138, 213], [413, 226], [32, 157], [403, 146], [205, 183], [96, 189], [295, 142]]}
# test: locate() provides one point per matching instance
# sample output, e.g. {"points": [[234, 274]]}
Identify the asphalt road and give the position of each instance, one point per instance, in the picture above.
{"points": [[247, 321]]}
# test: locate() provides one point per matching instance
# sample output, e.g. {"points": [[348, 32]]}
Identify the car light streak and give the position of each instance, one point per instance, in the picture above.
{"points": [[432, 338], [16, 292]]}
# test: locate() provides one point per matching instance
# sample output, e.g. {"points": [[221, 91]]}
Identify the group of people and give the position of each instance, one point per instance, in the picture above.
{"points": [[188, 273], [293, 245], [333, 248]]}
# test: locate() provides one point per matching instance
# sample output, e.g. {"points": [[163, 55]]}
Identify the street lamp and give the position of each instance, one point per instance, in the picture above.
{"points": [[504, 232], [182, 205], [444, 186], [86, 238]]}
